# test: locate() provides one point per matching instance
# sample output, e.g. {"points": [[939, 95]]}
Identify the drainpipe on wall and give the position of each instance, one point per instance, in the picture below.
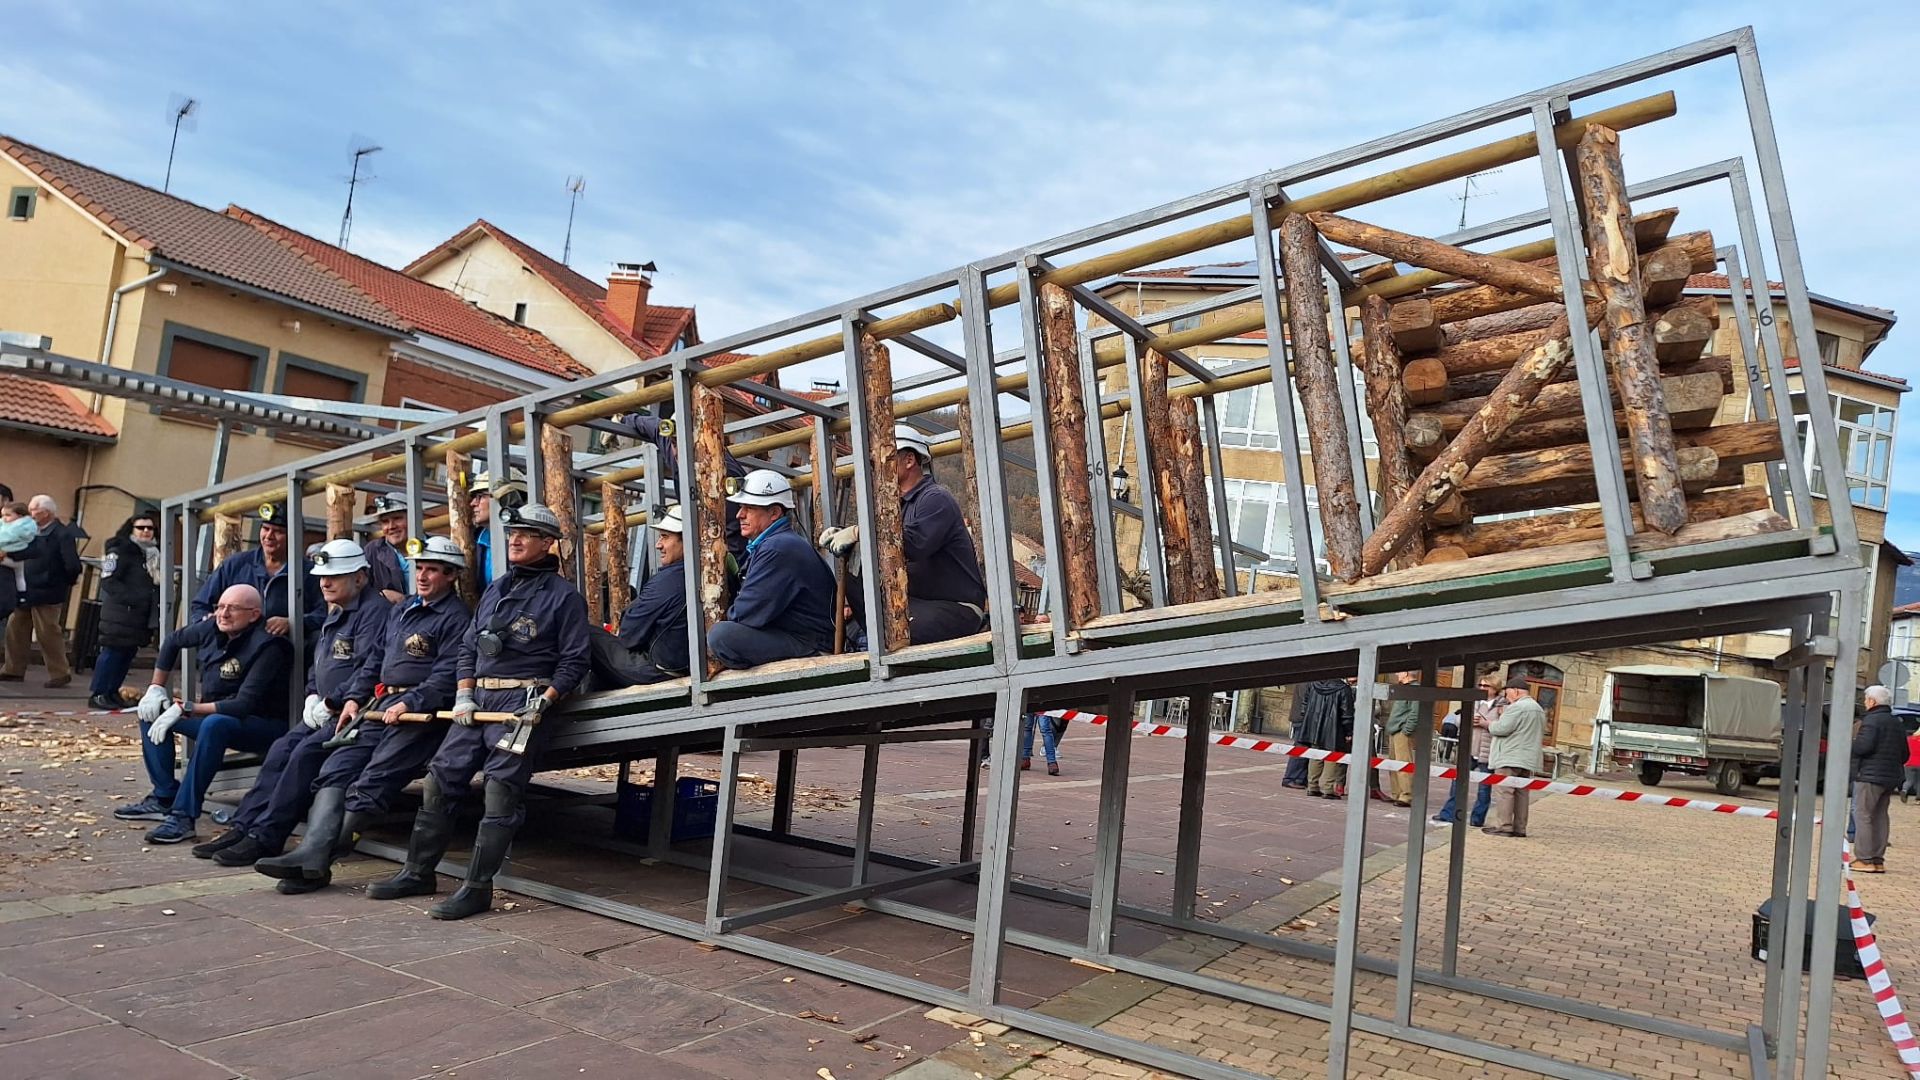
{"points": [[113, 311]]}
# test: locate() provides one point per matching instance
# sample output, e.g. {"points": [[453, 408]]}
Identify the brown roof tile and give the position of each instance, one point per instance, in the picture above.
{"points": [[30, 403]]}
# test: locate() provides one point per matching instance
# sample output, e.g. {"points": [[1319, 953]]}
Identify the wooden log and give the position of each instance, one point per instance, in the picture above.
{"points": [[1615, 269], [1480, 384], [227, 530], [618, 557], [1166, 473], [1420, 251], [889, 531], [1444, 554], [1193, 474], [1566, 468], [1684, 331], [1387, 400], [1693, 399], [1664, 274], [1681, 331], [1453, 510], [460, 527], [1574, 526], [1444, 474], [1650, 230], [1424, 380], [1314, 373], [710, 499], [970, 482], [556, 490], [1067, 440], [1414, 327], [340, 500], [593, 564]]}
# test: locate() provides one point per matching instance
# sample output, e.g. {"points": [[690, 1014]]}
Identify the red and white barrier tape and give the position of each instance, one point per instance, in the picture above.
{"points": [[1338, 757], [67, 712], [1879, 980]]}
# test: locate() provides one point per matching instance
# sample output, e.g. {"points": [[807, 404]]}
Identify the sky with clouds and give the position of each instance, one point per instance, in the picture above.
{"points": [[777, 157]]}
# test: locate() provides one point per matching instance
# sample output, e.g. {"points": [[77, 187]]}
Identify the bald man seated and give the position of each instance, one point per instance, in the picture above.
{"points": [[242, 703]]}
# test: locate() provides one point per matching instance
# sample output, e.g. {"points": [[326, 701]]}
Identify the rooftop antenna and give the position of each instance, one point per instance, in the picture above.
{"points": [[576, 185], [360, 146], [180, 110], [1470, 190]]}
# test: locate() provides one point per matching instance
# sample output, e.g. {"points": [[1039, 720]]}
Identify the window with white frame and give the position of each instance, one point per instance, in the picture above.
{"points": [[1259, 518], [1249, 418], [1866, 432]]}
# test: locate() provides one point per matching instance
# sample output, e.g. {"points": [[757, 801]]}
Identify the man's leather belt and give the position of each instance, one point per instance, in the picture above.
{"points": [[489, 683]]}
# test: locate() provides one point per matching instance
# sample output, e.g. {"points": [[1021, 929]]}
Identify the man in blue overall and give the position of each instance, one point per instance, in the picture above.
{"points": [[387, 565], [347, 644], [242, 703], [267, 570], [946, 596], [412, 671], [525, 649], [784, 607], [652, 643]]}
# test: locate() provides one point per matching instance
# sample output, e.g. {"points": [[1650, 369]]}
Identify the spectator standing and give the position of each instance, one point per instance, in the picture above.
{"points": [[1913, 766], [1484, 714], [1049, 742], [129, 594], [1879, 763], [52, 566], [1327, 724], [17, 534], [1515, 751], [1403, 726]]}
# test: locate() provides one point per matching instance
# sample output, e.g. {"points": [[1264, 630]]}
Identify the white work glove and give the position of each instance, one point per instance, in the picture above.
{"points": [[837, 542], [315, 714], [153, 703], [157, 731], [464, 708]]}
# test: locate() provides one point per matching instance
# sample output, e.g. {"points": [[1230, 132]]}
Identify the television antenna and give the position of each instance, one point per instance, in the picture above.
{"points": [[360, 147], [180, 113], [1469, 189], [576, 186]]}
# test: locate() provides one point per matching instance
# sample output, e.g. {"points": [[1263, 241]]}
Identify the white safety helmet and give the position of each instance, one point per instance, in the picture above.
{"points": [[763, 487], [533, 518], [389, 504], [668, 519], [438, 549], [907, 437], [480, 483], [337, 558]]}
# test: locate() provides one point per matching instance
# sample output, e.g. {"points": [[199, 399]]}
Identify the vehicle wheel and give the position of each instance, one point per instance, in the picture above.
{"points": [[1651, 772], [1726, 778]]}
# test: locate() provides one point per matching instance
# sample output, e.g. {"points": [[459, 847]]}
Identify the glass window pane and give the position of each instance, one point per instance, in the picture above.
{"points": [[1854, 412], [1883, 419], [1877, 497], [1882, 448], [1855, 443], [1265, 417], [1239, 409]]}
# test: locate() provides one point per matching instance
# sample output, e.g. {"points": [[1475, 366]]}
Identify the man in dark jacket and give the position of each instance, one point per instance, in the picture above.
{"points": [[391, 575], [652, 643], [1879, 763], [1328, 715], [53, 565], [267, 569], [784, 608]]}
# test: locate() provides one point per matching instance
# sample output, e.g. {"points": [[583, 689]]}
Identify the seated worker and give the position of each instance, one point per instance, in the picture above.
{"points": [[348, 642], [946, 596], [652, 644], [387, 566], [242, 703], [412, 670], [784, 607], [264, 568], [658, 430], [525, 649]]}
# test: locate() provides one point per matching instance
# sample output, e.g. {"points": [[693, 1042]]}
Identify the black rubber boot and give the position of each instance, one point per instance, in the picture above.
{"points": [[219, 843], [315, 854], [243, 853], [432, 833], [296, 886], [476, 893], [352, 827]]}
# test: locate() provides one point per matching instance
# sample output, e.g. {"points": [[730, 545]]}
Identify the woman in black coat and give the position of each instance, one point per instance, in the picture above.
{"points": [[129, 595]]}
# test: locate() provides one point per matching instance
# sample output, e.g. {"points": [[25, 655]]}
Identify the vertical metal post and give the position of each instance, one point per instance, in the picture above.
{"points": [[825, 482], [970, 809], [1054, 573], [1757, 388], [863, 827], [222, 442], [1793, 725], [297, 589], [1786, 243], [722, 855], [1350, 401], [1283, 406], [500, 467], [1416, 854], [1827, 868], [654, 495], [1802, 697], [172, 601], [1217, 488], [536, 475], [864, 507], [996, 847], [989, 469], [1465, 791], [1115, 760], [187, 677], [1596, 399], [1193, 800], [1106, 552], [688, 488], [1352, 857], [785, 772], [666, 788], [1151, 551]]}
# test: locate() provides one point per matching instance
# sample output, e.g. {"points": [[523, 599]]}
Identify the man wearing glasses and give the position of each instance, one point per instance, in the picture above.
{"points": [[243, 703]]}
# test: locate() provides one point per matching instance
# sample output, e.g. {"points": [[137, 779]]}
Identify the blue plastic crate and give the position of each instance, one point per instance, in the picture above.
{"points": [[696, 803]]}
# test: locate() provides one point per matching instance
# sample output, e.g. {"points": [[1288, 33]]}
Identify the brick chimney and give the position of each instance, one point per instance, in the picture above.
{"points": [[627, 289]]}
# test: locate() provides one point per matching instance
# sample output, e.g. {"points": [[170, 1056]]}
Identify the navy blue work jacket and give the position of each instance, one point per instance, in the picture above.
{"points": [[656, 621], [788, 587], [941, 561], [244, 675], [387, 568], [250, 568], [349, 641], [542, 623], [420, 648]]}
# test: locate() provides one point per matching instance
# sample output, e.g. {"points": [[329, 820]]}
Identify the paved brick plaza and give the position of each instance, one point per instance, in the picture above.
{"points": [[1638, 908]]}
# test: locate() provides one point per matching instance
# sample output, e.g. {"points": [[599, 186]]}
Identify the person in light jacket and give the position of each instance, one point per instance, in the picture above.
{"points": [[1517, 735]]}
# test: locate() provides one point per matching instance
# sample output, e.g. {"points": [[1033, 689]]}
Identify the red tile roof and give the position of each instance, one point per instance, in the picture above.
{"points": [[428, 307], [1792, 363], [179, 231], [26, 402]]}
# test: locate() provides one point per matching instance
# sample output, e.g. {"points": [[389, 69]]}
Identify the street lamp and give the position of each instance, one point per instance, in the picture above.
{"points": [[1122, 484]]}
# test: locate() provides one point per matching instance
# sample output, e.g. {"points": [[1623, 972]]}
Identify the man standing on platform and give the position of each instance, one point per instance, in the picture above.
{"points": [[412, 671], [386, 553], [525, 649], [946, 596], [1517, 738]]}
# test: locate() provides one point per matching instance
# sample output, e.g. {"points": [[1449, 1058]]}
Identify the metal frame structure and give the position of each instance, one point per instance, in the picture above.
{"points": [[1805, 578]]}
